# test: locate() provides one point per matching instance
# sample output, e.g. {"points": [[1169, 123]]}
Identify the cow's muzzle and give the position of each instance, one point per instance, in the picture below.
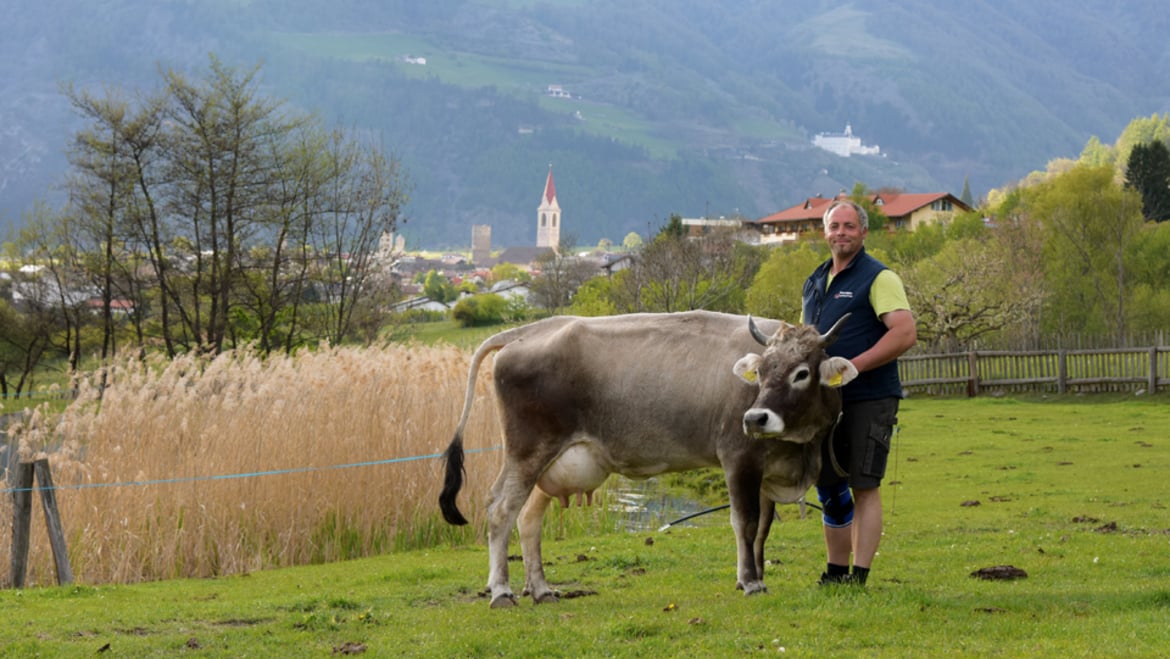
{"points": [[760, 422]]}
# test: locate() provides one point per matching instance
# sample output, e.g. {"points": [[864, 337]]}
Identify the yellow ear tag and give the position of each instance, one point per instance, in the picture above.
{"points": [[750, 376], [835, 380]]}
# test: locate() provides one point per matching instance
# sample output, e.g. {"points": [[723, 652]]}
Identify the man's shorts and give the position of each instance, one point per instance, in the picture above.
{"points": [[861, 444]]}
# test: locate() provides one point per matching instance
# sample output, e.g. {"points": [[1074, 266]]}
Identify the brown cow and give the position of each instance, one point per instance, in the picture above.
{"points": [[643, 394]]}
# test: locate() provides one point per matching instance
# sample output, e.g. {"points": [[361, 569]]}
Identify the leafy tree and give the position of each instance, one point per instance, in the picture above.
{"points": [[1149, 267], [1142, 130], [1089, 223], [438, 288], [1096, 153], [509, 272], [594, 298], [776, 290], [23, 344], [864, 197], [1148, 172], [632, 241]]}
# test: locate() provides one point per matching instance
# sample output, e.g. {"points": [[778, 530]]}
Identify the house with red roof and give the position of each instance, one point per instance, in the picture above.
{"points": [[906, 211]]}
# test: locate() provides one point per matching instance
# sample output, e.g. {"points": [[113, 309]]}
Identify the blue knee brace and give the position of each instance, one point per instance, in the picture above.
{"points": [[836, 505]]}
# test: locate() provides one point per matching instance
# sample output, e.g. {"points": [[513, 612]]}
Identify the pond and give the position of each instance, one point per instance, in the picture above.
{"points": [[646, 505]]}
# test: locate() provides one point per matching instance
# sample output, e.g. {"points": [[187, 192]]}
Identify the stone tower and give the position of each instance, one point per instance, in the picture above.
{"points": [[481, 243], [548, 216]]}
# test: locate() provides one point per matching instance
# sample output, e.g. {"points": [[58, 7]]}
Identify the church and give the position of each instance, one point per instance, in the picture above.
{"points": [[548, 233]]}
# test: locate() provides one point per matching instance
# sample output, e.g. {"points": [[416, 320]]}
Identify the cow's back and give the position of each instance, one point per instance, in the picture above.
{"points": [[656, 391]]}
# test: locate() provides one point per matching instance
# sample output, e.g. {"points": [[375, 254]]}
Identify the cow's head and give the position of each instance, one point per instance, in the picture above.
{"points": [[798, 382]]}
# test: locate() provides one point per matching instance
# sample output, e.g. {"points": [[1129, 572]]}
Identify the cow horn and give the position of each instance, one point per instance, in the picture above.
{"points": [[830, 337], [759, 336]]}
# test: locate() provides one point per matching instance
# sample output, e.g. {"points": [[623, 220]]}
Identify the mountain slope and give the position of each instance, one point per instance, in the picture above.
{"points": [[678, 105]]}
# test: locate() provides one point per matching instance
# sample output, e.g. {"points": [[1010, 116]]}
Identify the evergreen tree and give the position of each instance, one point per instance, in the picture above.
{"points": [[965, 197], [1148, 172]]}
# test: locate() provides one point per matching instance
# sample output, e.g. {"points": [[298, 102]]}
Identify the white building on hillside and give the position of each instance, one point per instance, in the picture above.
{"points": [[844, 144]]}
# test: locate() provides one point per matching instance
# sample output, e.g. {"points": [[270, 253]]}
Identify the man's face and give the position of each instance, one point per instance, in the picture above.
{"points": [[844, 233]]}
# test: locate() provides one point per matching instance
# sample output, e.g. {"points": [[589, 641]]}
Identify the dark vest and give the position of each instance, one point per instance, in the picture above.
{"points": [[849, 293]]}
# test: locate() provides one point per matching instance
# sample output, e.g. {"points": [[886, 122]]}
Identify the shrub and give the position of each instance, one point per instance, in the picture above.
{"points": [[484, 309]]}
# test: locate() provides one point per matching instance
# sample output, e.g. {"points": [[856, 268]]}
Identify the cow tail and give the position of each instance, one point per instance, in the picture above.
{"points": [[453, 480], [453, 456]]}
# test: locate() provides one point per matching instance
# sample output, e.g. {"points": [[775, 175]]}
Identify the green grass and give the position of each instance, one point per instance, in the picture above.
{"points": [[1069, 490], [447, 331]]}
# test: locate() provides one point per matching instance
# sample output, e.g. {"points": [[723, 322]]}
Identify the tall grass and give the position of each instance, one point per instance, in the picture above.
{"points": [[203, 467]]}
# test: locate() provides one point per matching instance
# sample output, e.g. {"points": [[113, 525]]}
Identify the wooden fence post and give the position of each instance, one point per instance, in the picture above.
{"points": [[973, 375], [1061, 371], [53, 522], [22, 521], [1152, 387]]}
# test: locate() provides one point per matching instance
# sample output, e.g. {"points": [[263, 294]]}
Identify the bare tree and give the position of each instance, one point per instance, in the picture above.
{"points": [[968, 290], [227, 218], [561, 274], [362, 200], [677, 273]]}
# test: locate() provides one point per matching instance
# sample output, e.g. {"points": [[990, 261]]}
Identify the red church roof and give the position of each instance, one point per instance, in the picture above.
{"points": [[550, 189]]}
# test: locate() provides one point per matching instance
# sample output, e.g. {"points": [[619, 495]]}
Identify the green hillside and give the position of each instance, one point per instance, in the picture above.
{"points": [[684, 107]]}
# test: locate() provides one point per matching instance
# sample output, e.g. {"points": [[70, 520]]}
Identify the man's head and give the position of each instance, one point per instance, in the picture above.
{"points": [[845, 206], [846, 225]]}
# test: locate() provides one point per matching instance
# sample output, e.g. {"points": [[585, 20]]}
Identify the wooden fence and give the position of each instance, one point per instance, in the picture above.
{"points": [[1046, 371]]}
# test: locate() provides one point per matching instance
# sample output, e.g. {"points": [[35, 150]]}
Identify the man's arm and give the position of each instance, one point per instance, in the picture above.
{"points": [[901, 335]]}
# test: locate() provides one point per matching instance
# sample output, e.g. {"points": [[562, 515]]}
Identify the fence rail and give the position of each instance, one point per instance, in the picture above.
{"points": [[1048, 371]]}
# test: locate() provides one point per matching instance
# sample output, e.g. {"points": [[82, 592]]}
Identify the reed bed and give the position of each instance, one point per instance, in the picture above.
{"points": [[207, 467]]}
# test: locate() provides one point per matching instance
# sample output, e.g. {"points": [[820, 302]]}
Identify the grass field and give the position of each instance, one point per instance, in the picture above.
{"points": [[1069, 490]]}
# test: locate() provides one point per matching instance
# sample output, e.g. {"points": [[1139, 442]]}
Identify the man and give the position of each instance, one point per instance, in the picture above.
{"points": [[880, 328]]}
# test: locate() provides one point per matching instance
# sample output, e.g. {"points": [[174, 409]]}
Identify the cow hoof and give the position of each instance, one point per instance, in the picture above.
{"points": [[549, 597], [504, 601], [755, 588]]}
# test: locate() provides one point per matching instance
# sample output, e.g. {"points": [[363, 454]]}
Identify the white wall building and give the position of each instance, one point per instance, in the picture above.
{"points": [[844, 144]]}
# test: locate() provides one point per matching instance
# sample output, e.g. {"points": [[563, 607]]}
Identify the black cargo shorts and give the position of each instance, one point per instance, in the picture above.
{"points": [[861, 443]]}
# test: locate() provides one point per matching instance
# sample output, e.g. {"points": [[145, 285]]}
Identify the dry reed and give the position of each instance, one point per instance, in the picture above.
{"points": [[146, 476]]}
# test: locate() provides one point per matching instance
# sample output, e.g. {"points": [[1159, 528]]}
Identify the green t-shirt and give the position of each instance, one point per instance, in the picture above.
{"points": [[885, 295]]}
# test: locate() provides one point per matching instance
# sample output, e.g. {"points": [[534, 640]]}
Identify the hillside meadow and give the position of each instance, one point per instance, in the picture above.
{"points": [[246, 507]]}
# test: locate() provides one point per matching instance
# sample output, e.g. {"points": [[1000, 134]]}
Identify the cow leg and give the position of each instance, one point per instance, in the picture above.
{"points": [[508, 495], [767, 514], [744, 489], [531, 518]]}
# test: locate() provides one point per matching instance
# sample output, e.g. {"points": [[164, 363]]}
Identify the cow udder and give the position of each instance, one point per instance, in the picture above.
{"points": [[576, 471]]}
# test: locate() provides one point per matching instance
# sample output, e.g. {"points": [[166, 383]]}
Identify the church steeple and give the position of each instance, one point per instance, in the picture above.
{"points": [[548, 215]]}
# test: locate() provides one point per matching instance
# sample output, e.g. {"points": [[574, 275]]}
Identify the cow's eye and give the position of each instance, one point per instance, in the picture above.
{"points": [[800, 375]]}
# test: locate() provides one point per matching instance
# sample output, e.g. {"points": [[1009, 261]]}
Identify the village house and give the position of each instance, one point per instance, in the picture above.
{"points": [[905, 210]]}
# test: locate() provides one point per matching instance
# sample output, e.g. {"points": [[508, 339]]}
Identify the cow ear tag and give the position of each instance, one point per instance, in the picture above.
{"points": [[837, 372], [746, 367]]}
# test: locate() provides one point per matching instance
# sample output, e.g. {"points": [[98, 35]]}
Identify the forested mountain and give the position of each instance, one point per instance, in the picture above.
{"points": [[677, 105]]}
